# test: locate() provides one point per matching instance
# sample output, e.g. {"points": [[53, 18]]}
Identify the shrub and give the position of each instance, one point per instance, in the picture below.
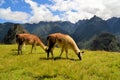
{"points": [[105, 41]]}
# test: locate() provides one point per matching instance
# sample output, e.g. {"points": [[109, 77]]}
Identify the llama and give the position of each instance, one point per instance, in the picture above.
{"points": [[65, 42], [26, 38]]}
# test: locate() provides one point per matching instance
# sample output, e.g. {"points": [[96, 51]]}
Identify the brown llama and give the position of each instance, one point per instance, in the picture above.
{"points": [[26, 38], [65, 42]]}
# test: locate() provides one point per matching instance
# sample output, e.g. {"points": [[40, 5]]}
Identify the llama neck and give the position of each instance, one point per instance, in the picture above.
{"points": [[42, 46], [73, 44], [75, 48]]}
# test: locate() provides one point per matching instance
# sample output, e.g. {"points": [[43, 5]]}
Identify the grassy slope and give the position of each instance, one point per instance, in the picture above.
{"points": [[96, 65]]}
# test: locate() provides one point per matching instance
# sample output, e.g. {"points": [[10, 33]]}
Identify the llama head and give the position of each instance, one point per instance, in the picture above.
{"points": [[46, 49], [79, 55]]}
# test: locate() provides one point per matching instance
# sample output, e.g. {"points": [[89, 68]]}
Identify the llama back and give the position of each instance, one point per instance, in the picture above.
{"points": [[62, 39], [30, 39], [34, 39], [66, 41]]}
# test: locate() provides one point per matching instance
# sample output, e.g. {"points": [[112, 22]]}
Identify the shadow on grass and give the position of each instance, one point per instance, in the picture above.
{"points": [[45, 77], [59, 58], [14, 52]]}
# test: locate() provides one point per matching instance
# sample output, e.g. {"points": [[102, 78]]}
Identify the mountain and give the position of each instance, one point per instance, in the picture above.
{"points": [[83, 31], [45, 28], [10, 37], [114, 24], [89, 28], [4, 27]]}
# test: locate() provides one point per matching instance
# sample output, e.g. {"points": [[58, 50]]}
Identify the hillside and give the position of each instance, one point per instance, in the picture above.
{"points": [[45, 28], [4, 29], [83, 31], [96, 65], [90, 28], [114, 24], [10, 37]]}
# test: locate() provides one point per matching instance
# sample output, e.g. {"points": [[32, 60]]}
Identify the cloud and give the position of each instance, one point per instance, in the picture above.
{"points": [[65, 10], [112, 9], [69, 10], [75, 16], [40, 13], [75, 10], [85, 9], [7, 14]]}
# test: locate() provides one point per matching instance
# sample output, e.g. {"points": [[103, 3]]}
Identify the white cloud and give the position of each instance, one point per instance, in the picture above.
{"points": [[40, 13], [75, 16], [69, 10], [86, 9], [7, 14], [77, 9], [112, 9]]}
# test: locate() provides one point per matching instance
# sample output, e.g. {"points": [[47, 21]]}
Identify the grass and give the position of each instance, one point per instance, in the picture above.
{"points": [[96, 65]]}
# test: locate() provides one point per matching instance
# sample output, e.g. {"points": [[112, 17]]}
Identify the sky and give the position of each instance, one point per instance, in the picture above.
{"points": [[34, 11]]}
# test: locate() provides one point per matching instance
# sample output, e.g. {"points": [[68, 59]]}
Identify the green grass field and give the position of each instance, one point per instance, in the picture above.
{"points": [[96, 65]]}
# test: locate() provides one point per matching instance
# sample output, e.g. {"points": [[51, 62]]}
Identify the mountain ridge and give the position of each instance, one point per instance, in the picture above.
{"points": [[81, 31]]}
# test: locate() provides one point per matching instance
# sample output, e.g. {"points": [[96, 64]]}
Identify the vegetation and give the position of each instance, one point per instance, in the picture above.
{"points": [[10, 37], [83, 31], [106, 41], [96, 65]]}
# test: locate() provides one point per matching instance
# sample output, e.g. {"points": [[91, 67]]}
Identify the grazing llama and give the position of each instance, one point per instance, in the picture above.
{"points": [[65, 42], [26, 38]]}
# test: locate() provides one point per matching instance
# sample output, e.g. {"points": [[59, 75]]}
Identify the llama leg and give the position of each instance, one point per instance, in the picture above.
{"points": [[48, 51], [35, 48], [52, 53], [66, 50], [51, 47], [61, 51], [47, 55], [23, 46], [32, 48], [19, 49]]}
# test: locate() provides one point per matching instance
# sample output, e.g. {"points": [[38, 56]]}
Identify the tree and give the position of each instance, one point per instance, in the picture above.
{"points": [[105, 41]]}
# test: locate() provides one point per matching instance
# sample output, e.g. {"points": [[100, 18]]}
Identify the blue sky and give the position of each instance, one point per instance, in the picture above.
{"points": [[34, 11]]}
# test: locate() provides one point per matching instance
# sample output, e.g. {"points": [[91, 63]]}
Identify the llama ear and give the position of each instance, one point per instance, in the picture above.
{"points": [[82, 52]]}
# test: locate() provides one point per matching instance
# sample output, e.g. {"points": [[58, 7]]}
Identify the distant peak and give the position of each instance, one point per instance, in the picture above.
{"points": [[95, 18]]}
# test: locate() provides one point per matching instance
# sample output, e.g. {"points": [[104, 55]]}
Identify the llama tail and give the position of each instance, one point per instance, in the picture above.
{"points": [[17, 38], [48, 38]]}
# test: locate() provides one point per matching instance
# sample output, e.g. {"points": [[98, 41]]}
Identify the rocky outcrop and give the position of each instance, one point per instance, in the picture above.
{"points": [[10, 37]]}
